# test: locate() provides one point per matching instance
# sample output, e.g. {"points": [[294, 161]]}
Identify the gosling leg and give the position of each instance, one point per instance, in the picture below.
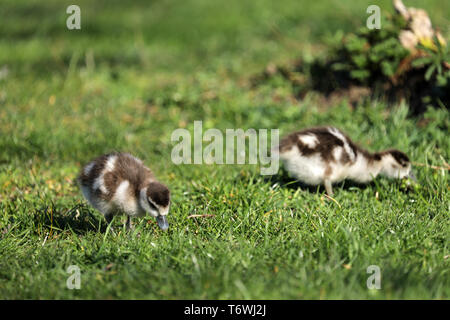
{"points": [[328, 187]]}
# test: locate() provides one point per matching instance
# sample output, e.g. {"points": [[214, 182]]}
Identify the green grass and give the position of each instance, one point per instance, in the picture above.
{"points": [[135, 73]]}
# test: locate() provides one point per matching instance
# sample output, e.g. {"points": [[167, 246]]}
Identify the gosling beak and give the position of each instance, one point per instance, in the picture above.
{"points": [[162, 222], [412, 176]]}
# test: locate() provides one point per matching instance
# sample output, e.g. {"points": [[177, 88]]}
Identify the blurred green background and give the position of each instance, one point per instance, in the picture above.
{"points": [[138, 70], [158, 36]]}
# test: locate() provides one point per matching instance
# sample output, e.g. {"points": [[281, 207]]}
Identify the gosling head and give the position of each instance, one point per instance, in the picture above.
{"points": [[155, 200], [395, 164]]}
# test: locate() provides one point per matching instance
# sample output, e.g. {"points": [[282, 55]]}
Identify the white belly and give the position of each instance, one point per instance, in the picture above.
{"points": [[313, 170], [101, 205], [309, 170], [338, 173], [120, 202]]}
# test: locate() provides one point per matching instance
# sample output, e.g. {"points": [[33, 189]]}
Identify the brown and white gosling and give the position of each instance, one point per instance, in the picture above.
{"points": [[325, 155], [120, 183]]}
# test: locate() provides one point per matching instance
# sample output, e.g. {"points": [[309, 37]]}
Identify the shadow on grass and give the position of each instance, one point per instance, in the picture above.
{"points": [[79, 219], [285, 181]]}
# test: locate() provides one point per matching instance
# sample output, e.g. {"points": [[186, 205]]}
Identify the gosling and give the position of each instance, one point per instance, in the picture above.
{"points": [[325, 155], [118, 183]]}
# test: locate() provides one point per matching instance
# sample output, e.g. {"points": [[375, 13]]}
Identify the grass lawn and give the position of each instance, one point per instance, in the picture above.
{"points": [[136, 72]]}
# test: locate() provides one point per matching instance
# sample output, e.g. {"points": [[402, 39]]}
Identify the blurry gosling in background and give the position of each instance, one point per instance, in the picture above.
{"points": [[120, 183], [325, 155]]}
